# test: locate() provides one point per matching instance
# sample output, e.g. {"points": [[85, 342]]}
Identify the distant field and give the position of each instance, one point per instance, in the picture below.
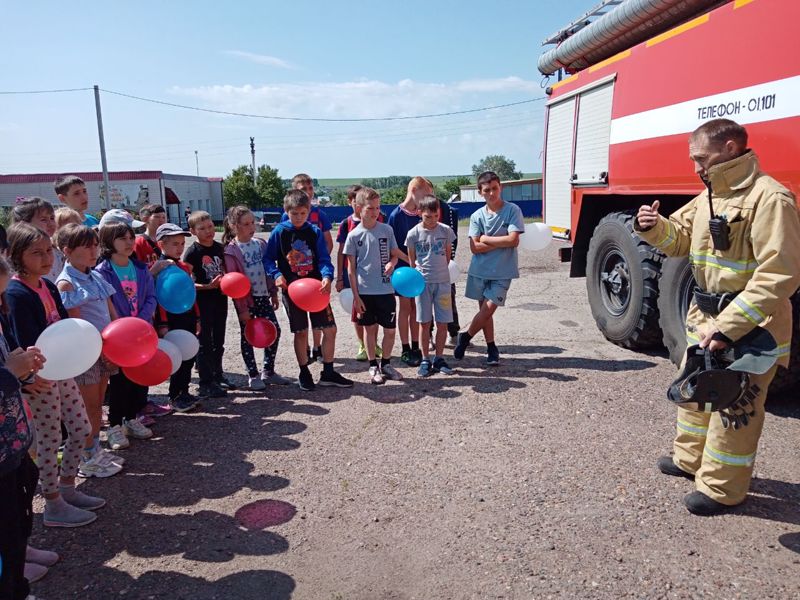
{"points": [[436, 179]]}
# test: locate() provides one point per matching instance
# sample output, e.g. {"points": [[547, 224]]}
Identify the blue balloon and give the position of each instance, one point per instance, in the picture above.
{"points": [[175, 290], [408, 282]]}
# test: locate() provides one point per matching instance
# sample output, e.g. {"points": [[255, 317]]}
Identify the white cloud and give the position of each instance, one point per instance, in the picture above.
{"points": [[261, 59], [361, 98]]}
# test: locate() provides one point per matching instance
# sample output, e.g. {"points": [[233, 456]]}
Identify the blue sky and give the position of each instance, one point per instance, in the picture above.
{"points": [[347, 59]]}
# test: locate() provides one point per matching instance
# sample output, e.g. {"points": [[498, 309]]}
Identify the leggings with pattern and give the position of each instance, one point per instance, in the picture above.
{"points": [[261, 308], [60, 403]]}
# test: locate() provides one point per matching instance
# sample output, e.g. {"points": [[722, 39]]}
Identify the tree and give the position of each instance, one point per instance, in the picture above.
{"points": [[504, 167], [269, 186], [384, 183], [453, 186], [393, 195], [238, 187]]}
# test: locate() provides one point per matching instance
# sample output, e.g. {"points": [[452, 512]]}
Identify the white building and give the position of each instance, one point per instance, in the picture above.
{"points": [[129, 190]]}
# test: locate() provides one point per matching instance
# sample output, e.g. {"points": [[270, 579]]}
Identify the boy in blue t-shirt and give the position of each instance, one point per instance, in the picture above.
{"points": [[402, 220], [494, 231]]}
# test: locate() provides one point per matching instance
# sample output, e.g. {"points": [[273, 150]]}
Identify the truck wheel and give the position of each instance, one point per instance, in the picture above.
{"points": [[622, 275], [787, 380], [676, 285]]}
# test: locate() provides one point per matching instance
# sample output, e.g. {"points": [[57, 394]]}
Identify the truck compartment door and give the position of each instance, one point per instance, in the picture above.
{"points": [[592, 136], [558, 164]]}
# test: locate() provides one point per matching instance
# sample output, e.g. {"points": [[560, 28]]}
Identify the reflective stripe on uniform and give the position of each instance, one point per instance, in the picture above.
{"points": [[692, 338], [669, 237], [752, 313], [697, 430], [784, 349], [725, 264], [726, 458]]}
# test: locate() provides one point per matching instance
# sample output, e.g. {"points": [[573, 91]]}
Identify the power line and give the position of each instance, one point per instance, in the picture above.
{"points": [[46, 91], [322, 119], [290, 140]]}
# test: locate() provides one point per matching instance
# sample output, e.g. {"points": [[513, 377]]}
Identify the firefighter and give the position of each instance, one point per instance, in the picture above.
{"points": [[742, 236]]}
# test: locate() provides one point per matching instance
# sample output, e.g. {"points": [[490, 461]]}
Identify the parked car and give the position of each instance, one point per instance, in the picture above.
{"points": [[268, 220]]}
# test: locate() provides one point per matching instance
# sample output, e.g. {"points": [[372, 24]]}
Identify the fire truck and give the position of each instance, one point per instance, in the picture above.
{"points": [[633, 79]]}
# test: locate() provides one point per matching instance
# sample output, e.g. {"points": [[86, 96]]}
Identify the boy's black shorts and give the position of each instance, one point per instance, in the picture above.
{"points": [[298, 318], [380, 309]]}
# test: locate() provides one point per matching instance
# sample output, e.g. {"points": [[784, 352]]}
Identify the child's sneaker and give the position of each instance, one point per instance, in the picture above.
{"points": [[225, 383], [424, 368], [316, 355], [306, 381], [492, 356], [116, 438], [416, 357], [134, 428], [184, 402], [109, 457], [211, 390], [151, 409], [78, 499], [275, 379], [58, 513], [34, 572], [440, 365], [389, 372], [361, 355], [335, 380], [461, 346], [97, 467], [256, 384], [375, 376], [146, 420]]}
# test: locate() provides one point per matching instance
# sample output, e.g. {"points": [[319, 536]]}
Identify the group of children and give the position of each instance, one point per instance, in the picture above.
{"points": [[65, 263]]}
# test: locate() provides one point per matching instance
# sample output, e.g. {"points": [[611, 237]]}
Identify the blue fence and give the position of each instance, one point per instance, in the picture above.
{"points": [[530, 208]]}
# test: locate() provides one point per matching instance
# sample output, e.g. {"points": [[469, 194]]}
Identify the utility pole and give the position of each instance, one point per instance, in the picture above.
{"points": [[253, 157], [102, 147], [197, 163]]}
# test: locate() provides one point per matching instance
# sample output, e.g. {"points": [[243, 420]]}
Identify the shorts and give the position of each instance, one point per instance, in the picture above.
{"points": [[494, 290], [435, 303], [380, 310], [100, 371], [298, 318]]}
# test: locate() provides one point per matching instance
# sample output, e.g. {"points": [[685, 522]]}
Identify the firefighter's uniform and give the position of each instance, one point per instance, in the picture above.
{"points": [[762, 264]]}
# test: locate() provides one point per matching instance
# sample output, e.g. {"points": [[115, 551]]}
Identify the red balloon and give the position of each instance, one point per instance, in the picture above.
{"points": [[129, 341], [305, 293], [260, 332], [154, 371], [235, 285]]}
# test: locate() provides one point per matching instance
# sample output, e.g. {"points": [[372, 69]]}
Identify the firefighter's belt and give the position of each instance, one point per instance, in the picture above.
{"points": [[712, 304]]}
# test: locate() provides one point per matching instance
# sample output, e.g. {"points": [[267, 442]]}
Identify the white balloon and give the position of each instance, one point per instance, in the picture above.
{"points": [[173, 352], [537, 236], [346, 300], [186, 342], [454, 270], [71, 347]]}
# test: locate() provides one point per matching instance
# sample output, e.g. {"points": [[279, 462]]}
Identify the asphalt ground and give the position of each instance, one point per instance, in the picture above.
{"points": [[534, 479]]}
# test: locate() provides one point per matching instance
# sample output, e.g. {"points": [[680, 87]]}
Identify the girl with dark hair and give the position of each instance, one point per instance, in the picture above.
{"points": [[33, 304]]}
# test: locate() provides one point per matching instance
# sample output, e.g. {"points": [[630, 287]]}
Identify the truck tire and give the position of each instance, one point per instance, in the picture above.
{"points": [[788, 380], [676, 286], [622, 274]]}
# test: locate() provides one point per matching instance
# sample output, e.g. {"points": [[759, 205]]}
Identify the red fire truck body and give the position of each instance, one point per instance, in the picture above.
{"points": [[616, 137]]}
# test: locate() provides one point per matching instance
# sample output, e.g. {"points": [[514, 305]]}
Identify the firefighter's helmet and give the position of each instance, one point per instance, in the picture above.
{"points": [[706, 384]]}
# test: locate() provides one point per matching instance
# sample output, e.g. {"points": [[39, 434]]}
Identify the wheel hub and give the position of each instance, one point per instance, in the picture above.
{"points": [[615, 281]]}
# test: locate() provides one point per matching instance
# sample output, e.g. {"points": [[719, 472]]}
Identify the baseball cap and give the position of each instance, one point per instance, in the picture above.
{"points": [[117, 215], [168, 229]]}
